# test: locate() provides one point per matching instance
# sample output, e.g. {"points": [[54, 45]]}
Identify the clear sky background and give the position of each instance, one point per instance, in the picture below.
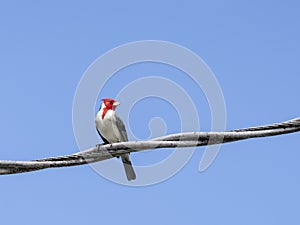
{"points": [[251, 46]]}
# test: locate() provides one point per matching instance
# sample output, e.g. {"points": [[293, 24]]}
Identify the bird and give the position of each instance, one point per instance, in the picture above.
{"points": [[112, 129]]}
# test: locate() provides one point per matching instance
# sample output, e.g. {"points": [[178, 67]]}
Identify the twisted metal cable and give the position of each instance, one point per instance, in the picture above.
{"points": [[190, 139]]}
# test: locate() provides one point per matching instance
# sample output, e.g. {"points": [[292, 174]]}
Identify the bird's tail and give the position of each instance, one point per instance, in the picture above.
{"points": [[128, 167]]}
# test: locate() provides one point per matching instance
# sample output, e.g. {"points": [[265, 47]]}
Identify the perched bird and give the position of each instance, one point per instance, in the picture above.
{"points": [[112, 129]]}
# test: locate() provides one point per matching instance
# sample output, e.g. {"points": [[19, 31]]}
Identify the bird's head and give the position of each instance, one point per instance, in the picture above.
{"points": [[110, 103]]}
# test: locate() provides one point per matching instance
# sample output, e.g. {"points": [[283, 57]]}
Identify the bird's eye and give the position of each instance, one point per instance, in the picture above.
{"points": [[111, 102]]}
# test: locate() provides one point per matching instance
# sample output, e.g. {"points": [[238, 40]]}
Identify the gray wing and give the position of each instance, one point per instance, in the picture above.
{"points": [[122, 129], [130, 174]]}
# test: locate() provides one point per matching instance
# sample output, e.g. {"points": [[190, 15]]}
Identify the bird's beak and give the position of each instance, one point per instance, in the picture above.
{"points": [[116, 104]]}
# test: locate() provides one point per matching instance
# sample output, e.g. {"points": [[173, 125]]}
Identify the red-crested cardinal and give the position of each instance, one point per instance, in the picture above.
{"points": [[112, 129]]}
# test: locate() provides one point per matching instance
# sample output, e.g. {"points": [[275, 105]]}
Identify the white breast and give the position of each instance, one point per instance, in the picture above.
{"points": [[106, 127]]}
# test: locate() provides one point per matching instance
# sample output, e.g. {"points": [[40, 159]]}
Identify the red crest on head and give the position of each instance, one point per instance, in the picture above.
{"points": [[108, 102]]}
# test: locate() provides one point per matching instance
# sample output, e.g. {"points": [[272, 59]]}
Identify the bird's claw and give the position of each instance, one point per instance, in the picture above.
{"points": [[98, 145]]}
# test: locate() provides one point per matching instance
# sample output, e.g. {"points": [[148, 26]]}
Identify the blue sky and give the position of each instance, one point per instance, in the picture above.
{"points": [[251, 46]]}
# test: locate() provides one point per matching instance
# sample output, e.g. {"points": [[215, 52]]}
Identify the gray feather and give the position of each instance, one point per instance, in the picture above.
{"points": [[130, 174], [120, 127]]}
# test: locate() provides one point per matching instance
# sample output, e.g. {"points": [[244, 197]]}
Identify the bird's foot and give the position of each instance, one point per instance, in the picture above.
{"points": [[98, 145]]}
